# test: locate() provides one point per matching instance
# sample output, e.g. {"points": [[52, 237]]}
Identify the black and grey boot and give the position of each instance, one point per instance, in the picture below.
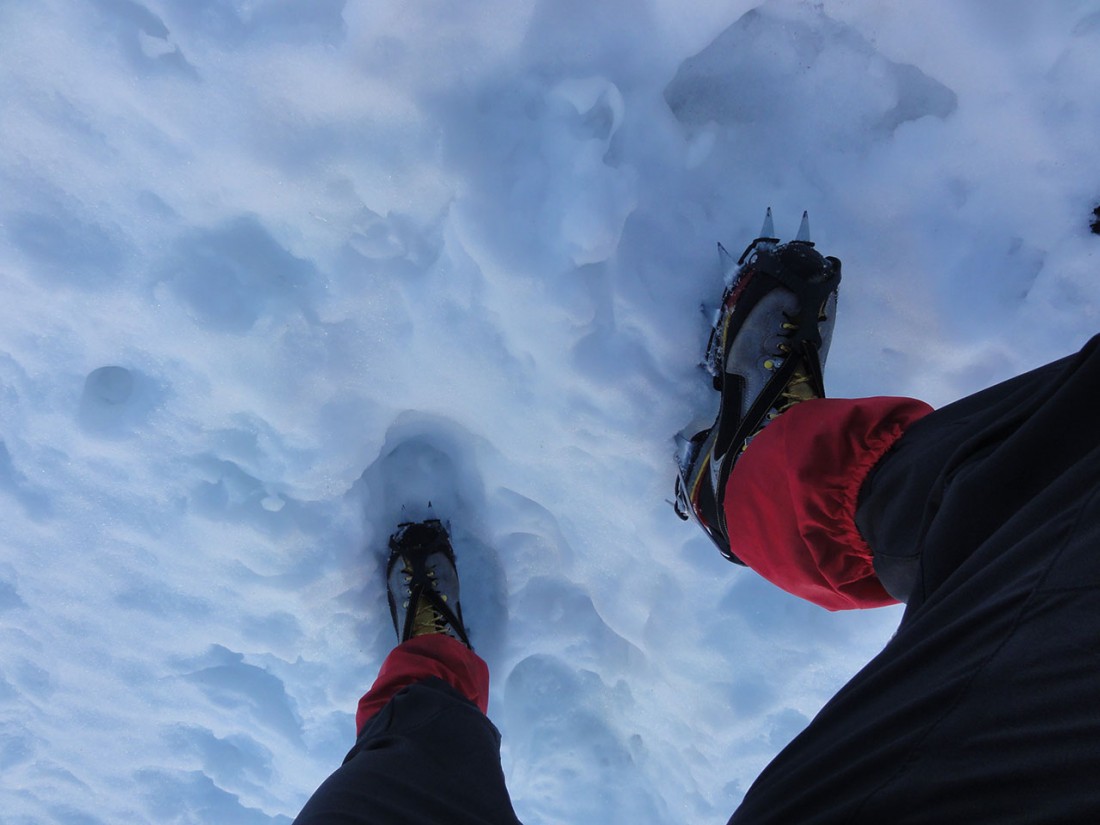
{"points": [[766, 352], [422, 582]]}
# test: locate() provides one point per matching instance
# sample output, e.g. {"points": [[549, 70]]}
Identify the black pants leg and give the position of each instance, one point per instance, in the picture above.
{"points": [[985, 706], [430, 756]]}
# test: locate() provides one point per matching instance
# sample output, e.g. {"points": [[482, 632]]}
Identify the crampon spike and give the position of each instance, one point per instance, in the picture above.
{"points": [[728, 263], [768, 229], [804, 229]]}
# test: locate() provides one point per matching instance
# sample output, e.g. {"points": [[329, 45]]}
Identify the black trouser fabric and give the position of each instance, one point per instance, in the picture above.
{"points": [[429, 756], [985, 706]]}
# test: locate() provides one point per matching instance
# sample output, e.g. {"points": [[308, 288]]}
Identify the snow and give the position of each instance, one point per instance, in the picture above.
{"points": [[272, 271]]}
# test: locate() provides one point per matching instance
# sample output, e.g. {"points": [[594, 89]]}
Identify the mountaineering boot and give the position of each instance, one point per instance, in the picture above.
{"points": [[422, 582], [766, 352]]}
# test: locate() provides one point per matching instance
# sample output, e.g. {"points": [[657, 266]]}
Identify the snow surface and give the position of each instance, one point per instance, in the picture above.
{"points": [[272, 270]]}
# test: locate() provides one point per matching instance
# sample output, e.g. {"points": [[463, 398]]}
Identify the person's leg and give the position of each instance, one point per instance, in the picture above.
{"points": [[985, 706], [983, 516], [1022, 433], [425, 751]]}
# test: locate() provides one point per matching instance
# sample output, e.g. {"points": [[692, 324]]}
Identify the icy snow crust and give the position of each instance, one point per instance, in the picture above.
{"points": [[274, 270]]}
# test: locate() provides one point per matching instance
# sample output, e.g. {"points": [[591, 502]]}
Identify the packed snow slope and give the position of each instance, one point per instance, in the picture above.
{"points": [[275, 274]]}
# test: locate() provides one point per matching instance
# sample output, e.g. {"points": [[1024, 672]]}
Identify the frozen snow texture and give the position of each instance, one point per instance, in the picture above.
{"points": [[767, 65], [274, 270]]}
